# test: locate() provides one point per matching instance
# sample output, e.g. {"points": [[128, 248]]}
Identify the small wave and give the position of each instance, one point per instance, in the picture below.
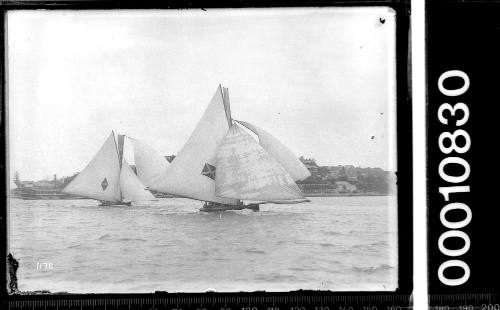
{"points": [[372, 269], [348, 252], [131, 239], [333, 233], [128, 280], [372, 247], [255, 251], [104, 237], [326, 245], [109, 237], [355, 232], [378, 243], [220, 259], [302, 269], [276, 277], [76, 246]]}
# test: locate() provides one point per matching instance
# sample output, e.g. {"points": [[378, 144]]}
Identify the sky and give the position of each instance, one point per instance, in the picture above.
{"points": [[321, 80]]}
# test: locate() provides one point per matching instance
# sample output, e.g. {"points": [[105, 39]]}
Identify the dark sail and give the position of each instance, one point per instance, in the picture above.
{"points": [[121, 140]]}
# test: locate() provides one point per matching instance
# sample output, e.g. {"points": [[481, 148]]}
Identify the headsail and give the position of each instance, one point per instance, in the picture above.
{"points": [[191, 173], [246, 171], [280, 152], [149, 164], [131, 187], [101, 177]]}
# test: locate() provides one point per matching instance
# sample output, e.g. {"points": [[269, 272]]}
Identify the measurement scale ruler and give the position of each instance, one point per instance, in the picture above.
{"points": [[464, 302], [215, 302]]}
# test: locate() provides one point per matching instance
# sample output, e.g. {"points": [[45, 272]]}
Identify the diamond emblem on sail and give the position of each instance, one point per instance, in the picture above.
{"points": [[209, 171], [104, 184]]}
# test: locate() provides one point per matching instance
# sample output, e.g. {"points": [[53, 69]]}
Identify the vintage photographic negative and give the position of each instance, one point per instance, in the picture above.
{"points": [[202, 150]]}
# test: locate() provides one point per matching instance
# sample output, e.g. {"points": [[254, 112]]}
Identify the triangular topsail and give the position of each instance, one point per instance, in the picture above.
{"points": [[185, 176], [246, 171], [101, 177], [280, 152], [131, 187], [148, 163]]}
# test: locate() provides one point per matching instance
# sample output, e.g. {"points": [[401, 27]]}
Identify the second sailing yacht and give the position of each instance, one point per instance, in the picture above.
{"points": [[109, 178]]}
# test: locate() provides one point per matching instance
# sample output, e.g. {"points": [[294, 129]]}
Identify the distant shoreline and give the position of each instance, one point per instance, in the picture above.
{"points": [[173, 196]]}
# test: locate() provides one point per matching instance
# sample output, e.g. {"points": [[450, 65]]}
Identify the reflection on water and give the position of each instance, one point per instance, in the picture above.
{"points": [[332, 243]]}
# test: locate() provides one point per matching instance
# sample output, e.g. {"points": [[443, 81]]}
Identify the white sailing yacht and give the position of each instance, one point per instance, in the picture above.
{"points": [[223, 165], [109, 178]]}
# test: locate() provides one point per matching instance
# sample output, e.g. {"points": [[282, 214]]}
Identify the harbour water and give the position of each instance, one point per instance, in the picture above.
{"points": [[331, 243]]}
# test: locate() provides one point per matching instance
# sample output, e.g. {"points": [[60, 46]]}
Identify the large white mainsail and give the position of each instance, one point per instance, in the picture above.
{"points": [[131, 187], [148, 163], [280, 152], [191, 174], [101, 177], [246, 171]]}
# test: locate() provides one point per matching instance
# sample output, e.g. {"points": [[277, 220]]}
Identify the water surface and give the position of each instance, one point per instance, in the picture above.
{"points": [[332, 243]]}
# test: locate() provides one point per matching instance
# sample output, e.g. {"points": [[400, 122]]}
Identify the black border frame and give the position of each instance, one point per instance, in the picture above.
{"points": [[404, 136], [463, 35]]}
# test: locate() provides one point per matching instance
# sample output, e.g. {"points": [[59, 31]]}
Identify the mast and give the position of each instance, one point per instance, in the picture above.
{"points": [[227, 109], [119, 151], [227, 106]]}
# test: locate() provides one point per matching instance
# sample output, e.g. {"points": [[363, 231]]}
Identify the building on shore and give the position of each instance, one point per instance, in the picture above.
{"points": [[345, 187], [44, 189], [345, 180]]}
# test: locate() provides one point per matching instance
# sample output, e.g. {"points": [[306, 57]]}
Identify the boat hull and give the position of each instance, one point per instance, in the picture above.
{"points": [[117, 203], [216, 207]]}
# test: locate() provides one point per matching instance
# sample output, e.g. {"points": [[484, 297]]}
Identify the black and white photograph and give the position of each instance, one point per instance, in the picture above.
{"points": [[199, 150]]}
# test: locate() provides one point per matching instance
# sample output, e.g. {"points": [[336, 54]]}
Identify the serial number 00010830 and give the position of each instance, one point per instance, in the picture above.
{"points": [[453, 145]]}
